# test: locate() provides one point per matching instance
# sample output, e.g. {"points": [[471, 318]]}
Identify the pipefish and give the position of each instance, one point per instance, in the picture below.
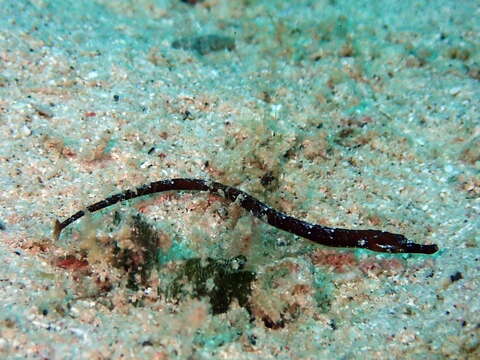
{"points": [[375, 240]]}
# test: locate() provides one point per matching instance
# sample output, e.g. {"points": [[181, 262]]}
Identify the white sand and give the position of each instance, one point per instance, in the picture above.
{"points": [[366, 115]]}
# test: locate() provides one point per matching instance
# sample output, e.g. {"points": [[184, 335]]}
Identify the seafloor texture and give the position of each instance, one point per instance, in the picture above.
{"points": [[355, 114]]}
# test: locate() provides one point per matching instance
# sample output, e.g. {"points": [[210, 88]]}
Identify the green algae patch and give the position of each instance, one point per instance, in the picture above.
{"points": [[139, 259], [221, 280], [205, 44]]}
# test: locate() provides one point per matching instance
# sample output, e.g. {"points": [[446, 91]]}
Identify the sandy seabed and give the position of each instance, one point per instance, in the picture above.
{"points": [[354, 114]]}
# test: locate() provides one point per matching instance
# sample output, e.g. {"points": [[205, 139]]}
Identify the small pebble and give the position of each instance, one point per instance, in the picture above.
{"points": [[455, 277], [25, 131], [43, 111], [455, 91]]}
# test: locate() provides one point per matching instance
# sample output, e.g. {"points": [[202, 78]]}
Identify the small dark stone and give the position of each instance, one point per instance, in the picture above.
{"points": [[269, 323], [147, 343], [265, 96], [187, 115], [2, 226], [455, 277], [267, 178], [116, 97]]}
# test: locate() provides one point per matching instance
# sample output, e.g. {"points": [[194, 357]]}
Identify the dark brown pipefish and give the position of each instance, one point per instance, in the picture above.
{"points": [[375, 240]]}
